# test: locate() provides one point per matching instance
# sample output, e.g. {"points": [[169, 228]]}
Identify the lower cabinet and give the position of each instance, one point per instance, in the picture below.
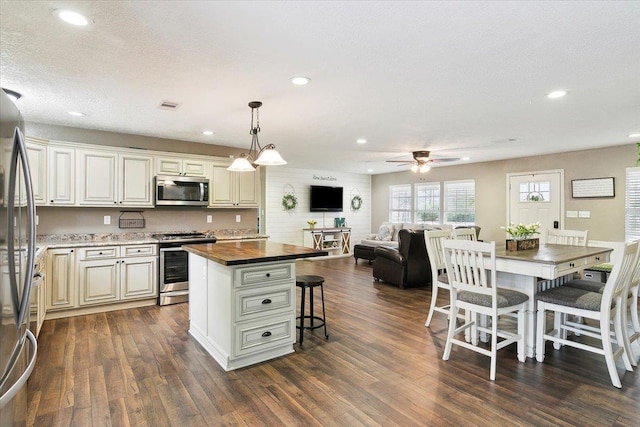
{"points": [[101, 275]]}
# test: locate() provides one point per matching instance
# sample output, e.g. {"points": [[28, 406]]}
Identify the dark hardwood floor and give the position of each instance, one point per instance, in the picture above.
{"points": [[380, 366]]}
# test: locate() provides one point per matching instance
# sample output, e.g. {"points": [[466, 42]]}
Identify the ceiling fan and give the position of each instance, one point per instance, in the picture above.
{"points": [[421, 161]]}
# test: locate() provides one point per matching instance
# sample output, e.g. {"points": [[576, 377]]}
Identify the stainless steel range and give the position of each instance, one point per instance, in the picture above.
{"points": [[174, 265]]}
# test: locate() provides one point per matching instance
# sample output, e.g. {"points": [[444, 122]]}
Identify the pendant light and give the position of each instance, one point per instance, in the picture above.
{"points": [[267, 156]]}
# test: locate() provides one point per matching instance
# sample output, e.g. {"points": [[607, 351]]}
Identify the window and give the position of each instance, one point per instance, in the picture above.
{"points": [[400, 203], [427, 203], [460, 202], [632, 205], [535, 191]]}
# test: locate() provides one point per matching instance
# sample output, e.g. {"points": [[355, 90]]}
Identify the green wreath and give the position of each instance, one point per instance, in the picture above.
{"points": [[356, 203], [289, 202]]}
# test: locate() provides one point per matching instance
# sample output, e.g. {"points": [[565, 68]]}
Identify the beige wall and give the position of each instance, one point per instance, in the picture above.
{"points": [[607, 215]]}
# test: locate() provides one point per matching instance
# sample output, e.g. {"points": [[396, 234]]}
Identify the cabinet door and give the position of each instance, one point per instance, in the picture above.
{"points": [[222, 192], [135, 180], [138, 278], [61, 279], [97, 177], [37, 155], [247, 194], [168, 166], [62, 177], [192, 167], [98, 281]]}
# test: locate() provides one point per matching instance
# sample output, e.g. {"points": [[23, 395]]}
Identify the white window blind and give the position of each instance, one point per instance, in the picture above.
{"points": [[427, 203], [400, 203], [632, 205], [460, 202]]}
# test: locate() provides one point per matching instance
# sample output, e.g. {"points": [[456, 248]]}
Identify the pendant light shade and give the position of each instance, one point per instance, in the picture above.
{"points": [[267, 156]]}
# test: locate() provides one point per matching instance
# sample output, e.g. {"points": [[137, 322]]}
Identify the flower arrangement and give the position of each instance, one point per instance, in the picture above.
{"points": [[311, 222], [522, 231]]}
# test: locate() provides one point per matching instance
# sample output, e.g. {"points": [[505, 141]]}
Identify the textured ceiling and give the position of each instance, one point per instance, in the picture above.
{"points": [[457, 78]]}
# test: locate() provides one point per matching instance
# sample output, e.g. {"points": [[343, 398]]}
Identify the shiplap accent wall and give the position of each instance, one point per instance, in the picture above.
{"points": [[286, 226]]}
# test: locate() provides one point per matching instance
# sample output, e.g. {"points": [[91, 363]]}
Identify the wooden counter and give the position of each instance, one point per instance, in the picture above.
{"points": [[238, 253], [242, 299]]}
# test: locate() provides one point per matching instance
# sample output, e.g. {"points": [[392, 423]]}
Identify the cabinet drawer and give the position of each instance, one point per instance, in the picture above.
{"points": [[264, 274], [262, 335], [101, 252], [254, 303], [138, 250], [572, 266]]}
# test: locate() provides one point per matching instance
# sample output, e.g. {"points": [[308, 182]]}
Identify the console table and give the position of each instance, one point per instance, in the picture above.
{"points": [[336, 241]]}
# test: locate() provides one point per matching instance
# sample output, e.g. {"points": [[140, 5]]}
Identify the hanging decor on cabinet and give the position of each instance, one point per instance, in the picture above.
{"points": [[289, 199], [356, 200]]}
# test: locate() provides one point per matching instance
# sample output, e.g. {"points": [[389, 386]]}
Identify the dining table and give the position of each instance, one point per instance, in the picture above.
{"points": [[534, 270]]}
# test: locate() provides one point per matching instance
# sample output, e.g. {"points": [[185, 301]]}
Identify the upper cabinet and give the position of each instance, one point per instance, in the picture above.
{"points": [[62, 177], [181, 166], [111, 178], [233, 189], [37, 155]]}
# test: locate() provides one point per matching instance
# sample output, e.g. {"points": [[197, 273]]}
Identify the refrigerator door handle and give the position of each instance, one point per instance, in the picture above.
{"points": [[19, 153], [15, 388]]}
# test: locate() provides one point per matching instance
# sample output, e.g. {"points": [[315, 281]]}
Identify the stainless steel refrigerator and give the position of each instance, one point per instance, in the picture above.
{"points": [[18, 345]]}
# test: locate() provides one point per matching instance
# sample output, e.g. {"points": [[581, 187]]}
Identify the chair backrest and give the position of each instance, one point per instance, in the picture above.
{"points": [[567, 237], [471, 266], [618, 282], [617, 247], [433, 241], [635, 274], [465, 234]]}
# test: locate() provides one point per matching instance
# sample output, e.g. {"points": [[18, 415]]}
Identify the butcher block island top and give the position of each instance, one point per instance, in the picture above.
{"points": [[238, 253]]}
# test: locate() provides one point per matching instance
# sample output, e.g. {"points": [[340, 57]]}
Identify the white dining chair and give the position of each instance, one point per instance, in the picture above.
{"points": [[433, 242], [567, 237], [471, 268], [606, 308], [464, 233]]}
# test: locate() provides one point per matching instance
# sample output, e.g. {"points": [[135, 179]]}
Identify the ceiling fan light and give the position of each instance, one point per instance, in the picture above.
{"points": [[414, 168], [241, 164], [425, 168], [270, 157]]}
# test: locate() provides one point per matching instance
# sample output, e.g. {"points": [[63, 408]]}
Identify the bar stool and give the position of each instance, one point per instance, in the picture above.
{"points": [[305, 282]]}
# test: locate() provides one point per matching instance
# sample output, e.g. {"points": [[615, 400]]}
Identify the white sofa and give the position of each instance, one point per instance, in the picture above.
{"points": [[387, 234]]}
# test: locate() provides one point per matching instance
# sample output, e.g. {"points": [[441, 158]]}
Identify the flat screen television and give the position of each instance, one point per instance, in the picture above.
{"points": [[325, 199]]}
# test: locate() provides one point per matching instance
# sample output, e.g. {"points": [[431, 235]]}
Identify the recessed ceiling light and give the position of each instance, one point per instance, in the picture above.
{"points": [[75, 113], [634, 135], [207, 132], [300, 81], [361, 141], [71, 17], [556, 94]]}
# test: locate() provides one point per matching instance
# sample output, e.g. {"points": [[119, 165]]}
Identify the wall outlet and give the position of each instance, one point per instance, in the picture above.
{"points": [[572, 214], [107, 219], [584, 214], [37, 219], [209, 219], [238, 218]]}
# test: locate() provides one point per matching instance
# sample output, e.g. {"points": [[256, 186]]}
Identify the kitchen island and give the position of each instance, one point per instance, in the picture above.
{"points": [[242, 299]]}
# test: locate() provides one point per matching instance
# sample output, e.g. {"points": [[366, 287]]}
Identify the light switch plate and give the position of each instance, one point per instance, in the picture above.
{"points": [[584, 214], [572, 214], [209, 219], [107, 219], [238, 218]]}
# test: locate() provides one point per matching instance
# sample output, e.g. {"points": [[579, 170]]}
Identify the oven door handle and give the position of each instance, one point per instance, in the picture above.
{"points": [[179, 248]]}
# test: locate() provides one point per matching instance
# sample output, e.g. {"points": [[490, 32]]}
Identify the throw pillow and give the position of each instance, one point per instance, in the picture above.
{"points": [[385, 232]]}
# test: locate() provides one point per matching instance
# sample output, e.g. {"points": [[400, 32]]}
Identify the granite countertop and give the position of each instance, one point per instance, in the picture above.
{"points": [[238, 253], [138, 238]]}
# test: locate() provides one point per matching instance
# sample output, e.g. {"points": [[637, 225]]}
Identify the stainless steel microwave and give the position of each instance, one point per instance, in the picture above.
{"points": [[181, 191]]}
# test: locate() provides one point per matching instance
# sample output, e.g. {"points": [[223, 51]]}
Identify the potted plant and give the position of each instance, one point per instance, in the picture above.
{"points": [[312, 223], [522, 236]]}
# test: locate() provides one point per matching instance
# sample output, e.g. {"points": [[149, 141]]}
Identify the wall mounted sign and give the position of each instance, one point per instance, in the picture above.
{"points": [[324, 178], [592, 188]]}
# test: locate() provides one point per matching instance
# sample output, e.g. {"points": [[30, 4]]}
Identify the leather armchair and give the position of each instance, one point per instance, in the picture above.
{"points": [[406, 266]]}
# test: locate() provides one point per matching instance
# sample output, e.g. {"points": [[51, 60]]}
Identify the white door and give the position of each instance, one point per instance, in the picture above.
{"points": [[536, 197]]}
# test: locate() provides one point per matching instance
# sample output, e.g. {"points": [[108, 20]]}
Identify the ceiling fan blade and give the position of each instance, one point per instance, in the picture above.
{"points": [[399, 161], [444, 159]]}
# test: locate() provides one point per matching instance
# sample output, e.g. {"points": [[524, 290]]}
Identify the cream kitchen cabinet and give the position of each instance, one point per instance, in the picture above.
{"points": [[61, 279], [233, 189], [112, 273], [37, 155], [62, 177], [119, 179], [181, 166]]}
